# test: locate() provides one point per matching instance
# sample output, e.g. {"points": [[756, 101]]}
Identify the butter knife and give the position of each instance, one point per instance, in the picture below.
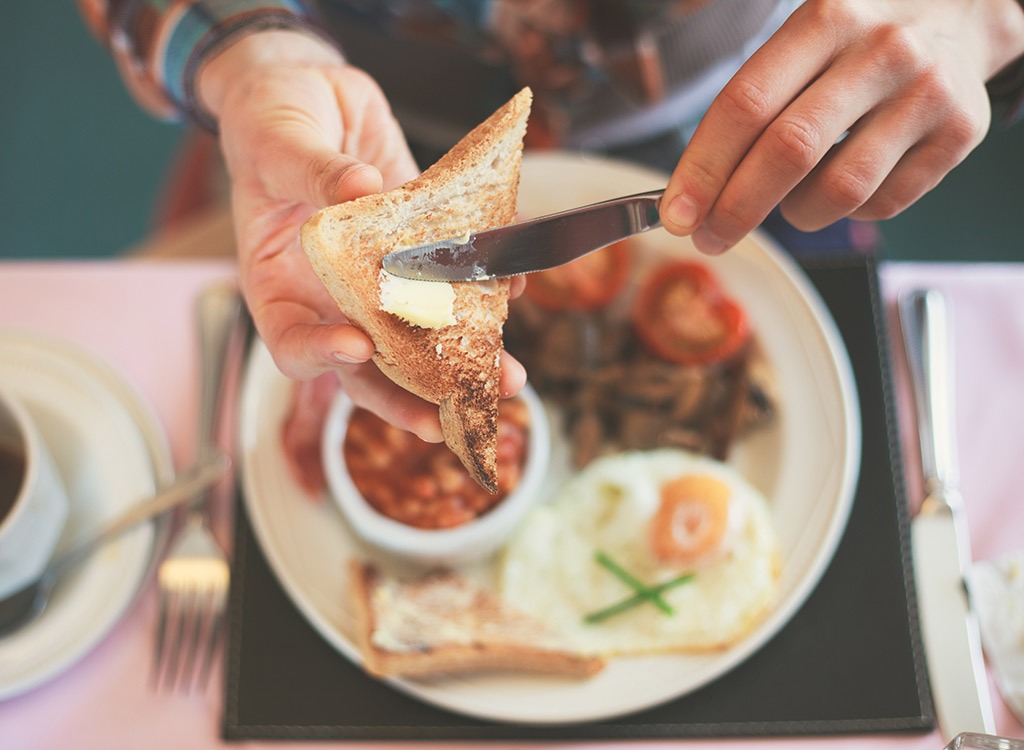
{"points": [[939, 535], [528, 246]]}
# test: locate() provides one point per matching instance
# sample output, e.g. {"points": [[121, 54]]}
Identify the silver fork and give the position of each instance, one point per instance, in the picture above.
{"points": [[193, 578]]}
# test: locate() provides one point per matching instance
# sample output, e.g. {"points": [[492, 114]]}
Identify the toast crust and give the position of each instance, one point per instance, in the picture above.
{"points": [[473, 187], [459, 628]]}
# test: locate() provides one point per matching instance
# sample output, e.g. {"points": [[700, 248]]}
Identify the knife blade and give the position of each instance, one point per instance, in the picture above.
{"points": [[528, 246], [939, 536]]}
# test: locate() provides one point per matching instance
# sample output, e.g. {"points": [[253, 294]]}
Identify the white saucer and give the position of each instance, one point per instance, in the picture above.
{"points": [[112, 451]]}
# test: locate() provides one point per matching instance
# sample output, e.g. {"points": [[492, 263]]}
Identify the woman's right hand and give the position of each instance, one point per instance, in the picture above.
{"points": [[301, 130]]}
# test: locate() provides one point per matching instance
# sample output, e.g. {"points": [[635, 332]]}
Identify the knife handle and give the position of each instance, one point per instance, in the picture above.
{"points": [[927, 337]]}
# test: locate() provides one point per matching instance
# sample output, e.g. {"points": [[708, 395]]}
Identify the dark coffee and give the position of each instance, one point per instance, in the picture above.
{"points": [[12, 474]]}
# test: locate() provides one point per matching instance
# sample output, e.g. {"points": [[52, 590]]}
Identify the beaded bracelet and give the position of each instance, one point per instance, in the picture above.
{"points": [[174, 42]]}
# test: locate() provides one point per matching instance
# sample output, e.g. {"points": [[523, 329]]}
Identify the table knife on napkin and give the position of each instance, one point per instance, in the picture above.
{"points": [[528, 246], [939, 537]]}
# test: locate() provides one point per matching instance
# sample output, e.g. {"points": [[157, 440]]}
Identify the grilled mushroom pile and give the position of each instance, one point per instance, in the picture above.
{"points": [[617, 393]]}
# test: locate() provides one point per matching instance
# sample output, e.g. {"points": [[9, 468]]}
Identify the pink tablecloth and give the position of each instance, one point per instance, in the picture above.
{"points": [[137, 316]]}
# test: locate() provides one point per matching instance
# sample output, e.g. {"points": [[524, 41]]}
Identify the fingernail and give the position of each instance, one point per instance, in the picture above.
{"points": [[430, 434], [708, 242], [346, 359], [682, 211]]}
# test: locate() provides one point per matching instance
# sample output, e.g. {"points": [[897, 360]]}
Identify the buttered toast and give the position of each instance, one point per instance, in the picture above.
{"points": [[442, 624], [456, 365]]}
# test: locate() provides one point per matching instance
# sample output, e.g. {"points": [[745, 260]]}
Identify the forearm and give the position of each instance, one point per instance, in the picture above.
{"points": [[160, 48]]}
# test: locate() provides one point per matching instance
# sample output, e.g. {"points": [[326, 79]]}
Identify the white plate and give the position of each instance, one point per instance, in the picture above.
{"points": [[806, 463], [111, 452]]}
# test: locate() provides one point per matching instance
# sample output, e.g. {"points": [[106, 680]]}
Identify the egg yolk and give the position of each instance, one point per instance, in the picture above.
{"points": [[691, 520]]}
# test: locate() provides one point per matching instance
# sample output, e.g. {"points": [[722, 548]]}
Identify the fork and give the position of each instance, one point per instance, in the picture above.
{"points": [[193, 578]]}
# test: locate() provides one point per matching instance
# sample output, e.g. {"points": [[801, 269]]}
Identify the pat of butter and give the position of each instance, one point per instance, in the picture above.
{"points": [[427, 304]]}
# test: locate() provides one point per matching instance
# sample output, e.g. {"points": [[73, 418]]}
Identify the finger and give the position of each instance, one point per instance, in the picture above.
{"points": [[366, 110], [296, 316], [517, 286], [303, 425], [851, 172], [306, 334], [305, 351], [955, 132], [891, 158], [512, 377], [368, 387], [794, 144], [300, 165], [918, 172], [762, 88]]}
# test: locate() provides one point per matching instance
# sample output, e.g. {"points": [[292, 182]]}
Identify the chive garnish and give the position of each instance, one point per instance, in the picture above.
{"points": [[643, 593], [627, 578]]}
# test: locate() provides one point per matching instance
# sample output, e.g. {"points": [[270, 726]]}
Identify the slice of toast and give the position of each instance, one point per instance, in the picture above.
{"points": [[473, 187], [443, 623]]}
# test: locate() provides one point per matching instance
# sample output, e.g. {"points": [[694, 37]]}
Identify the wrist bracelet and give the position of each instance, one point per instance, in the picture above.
{"points": [[168, 42], [205, 29], [189, 56]]}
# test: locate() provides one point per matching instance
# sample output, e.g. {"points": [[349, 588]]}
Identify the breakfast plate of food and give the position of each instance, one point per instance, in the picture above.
{"points": [[656, 505]]}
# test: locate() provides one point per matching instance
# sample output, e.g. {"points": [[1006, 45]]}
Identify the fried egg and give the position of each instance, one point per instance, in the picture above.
{"points": [[639, 509]]}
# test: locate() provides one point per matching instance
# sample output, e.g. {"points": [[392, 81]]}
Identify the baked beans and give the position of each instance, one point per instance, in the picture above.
{"points": [[424, 484]]}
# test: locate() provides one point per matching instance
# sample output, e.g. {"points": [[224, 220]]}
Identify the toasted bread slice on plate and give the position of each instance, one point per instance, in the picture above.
{"points": [[442, 623], [456, 364]]}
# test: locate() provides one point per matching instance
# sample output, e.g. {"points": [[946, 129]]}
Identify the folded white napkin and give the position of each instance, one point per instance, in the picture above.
{"points": [[996, 590]]}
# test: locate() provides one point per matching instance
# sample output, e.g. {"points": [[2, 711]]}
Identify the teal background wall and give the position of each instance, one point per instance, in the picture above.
{"points": [[976, 212], [81, 165]]}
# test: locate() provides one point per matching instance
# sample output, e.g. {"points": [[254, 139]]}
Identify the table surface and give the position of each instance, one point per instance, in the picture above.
{"points": [[103, 700]]}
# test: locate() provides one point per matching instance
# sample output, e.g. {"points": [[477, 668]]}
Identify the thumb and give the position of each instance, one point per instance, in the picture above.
{"points": [[302, 167]]}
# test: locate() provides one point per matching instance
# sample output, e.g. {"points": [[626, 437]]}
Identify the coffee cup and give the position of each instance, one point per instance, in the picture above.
{"points": [[33, 499]]}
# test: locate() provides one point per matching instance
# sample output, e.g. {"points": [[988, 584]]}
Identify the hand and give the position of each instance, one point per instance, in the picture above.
{"points": [[904, 80], [301, 130]]}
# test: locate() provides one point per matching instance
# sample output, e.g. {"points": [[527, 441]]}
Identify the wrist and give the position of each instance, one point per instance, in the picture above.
{"points": [[251, 51], [1005, 82], [1005, 33]]}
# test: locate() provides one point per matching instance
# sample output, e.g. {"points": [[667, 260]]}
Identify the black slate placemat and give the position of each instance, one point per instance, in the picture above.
{"points": [[848, 662]]}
